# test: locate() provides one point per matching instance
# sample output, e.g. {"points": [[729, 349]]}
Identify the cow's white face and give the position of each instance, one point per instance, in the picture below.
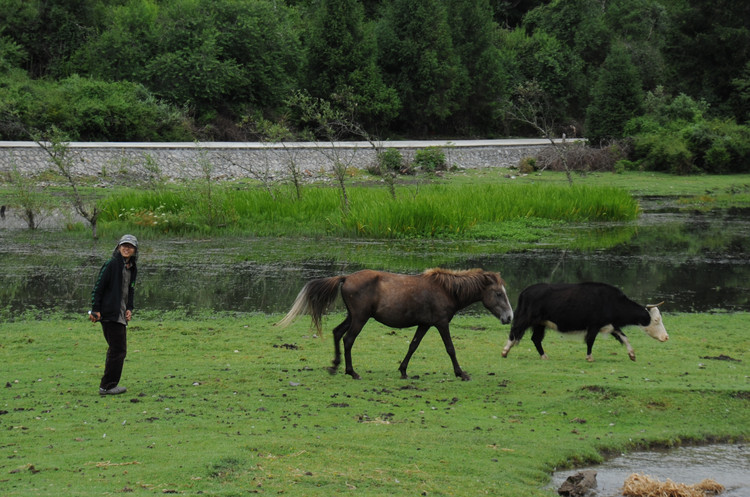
{"points": [[655, 328]]}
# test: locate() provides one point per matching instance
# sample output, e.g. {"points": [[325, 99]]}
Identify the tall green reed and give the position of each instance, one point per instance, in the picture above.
{"points": [[429, 211]]}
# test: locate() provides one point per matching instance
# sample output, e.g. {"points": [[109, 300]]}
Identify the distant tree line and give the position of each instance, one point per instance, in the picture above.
{"points": [[672, 76]]}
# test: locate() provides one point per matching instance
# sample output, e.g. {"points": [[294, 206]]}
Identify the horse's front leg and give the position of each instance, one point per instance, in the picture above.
{"points": [[445, 334], [418, 335]]}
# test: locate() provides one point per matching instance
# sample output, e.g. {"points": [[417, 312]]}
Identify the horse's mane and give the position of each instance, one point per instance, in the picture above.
{"points": [[462, 284]]}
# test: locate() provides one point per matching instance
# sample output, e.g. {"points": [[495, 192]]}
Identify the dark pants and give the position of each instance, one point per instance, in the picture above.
{"points": [[116, 336]]}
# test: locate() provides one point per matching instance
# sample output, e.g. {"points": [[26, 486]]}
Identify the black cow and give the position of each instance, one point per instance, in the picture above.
{"points": [[588, 307]]}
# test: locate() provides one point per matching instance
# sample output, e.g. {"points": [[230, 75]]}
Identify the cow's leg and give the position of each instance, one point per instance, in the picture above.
{"points": [[620, 337], [418, 335], [517, 330], [445, 334], [508, 345], [537, 335], [338, 332], [590, 337]]}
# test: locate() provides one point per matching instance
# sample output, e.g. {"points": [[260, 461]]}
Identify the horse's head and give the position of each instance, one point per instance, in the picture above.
{"points": [[495, 299]]}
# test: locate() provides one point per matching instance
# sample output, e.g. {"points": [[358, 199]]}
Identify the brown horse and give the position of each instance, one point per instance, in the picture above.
{"points": [[400, 301]]}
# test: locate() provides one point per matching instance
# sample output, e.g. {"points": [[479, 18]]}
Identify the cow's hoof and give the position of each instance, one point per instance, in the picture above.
{"points": [[544, 357], [632, 357], [589, 358], [465, 377], [354, 375]]}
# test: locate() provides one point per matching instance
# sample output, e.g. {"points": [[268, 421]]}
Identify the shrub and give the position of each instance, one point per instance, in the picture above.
{"points": [[581, 157], [430, 159], [719, 146], [527, 165], [665, 152], [676, 136], [390, 160], [626, 165], [90, 110]]}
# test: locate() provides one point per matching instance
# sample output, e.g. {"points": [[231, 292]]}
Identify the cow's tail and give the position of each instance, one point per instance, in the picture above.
{"points": [[314, 299]]}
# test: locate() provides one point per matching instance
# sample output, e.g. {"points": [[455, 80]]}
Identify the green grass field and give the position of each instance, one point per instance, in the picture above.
{"points": [[233, 406]]}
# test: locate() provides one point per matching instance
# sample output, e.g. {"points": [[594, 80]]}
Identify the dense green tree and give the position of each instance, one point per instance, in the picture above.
{"points": [[643, 26], [476, 38], [418, 58], [128, 38], [398, 67], [48, 31], [553, 67], [578, 24], [510, 13], [213, 56], [616, 97], [342, 62], [708, 48], [741, 99]]}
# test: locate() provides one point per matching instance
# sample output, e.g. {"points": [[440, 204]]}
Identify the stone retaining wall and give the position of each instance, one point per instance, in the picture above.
{"points": [[238, 160]]}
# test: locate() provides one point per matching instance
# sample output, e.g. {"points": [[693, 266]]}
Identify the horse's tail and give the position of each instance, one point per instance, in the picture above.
{"points": [[314, 299]]}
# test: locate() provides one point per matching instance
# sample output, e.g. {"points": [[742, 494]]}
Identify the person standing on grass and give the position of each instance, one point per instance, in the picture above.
{"points": [[112, 305]]}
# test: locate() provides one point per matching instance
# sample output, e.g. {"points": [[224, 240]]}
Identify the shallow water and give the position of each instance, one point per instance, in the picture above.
{"points": [[695, 262], [728, 465]]}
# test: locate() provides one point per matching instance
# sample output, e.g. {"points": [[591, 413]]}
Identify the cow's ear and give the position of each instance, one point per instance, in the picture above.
{"points": [[649, 306]]}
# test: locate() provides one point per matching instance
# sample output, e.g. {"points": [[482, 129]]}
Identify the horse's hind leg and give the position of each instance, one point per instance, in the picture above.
{"points": [[338, 332], [351, 334], [418, 335]]}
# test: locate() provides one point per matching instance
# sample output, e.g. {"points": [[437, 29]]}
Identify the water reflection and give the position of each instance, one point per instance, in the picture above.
{"points": [[694, 262]]}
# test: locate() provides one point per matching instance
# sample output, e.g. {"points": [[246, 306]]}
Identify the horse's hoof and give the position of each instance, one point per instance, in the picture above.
{"points": [[404, 376], [354, 375], [465, 377]]}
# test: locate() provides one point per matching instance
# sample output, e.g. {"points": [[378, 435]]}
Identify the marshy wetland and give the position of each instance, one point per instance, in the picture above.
{"points": [[253, 409], [692, 257]]}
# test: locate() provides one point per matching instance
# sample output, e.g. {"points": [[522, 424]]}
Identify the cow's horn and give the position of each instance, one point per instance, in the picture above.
{"points": [[649, 306]]}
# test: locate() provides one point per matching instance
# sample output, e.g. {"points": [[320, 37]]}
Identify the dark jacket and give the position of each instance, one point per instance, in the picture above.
{"points": [[106, 295]]}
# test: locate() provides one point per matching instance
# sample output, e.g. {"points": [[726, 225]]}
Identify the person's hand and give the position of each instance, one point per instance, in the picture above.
{"points": [[128, 315], [94, 317]]}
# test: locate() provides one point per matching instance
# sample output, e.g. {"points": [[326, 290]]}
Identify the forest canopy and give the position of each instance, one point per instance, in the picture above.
{"points": [[164, 70]]}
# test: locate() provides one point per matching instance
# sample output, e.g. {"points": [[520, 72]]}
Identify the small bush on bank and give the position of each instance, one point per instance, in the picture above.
{"points": [[430, 159], [527, 165], [390, 160]]}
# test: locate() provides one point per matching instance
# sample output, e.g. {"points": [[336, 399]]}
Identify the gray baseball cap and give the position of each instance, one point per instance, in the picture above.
{"points": [[129, 239]]}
